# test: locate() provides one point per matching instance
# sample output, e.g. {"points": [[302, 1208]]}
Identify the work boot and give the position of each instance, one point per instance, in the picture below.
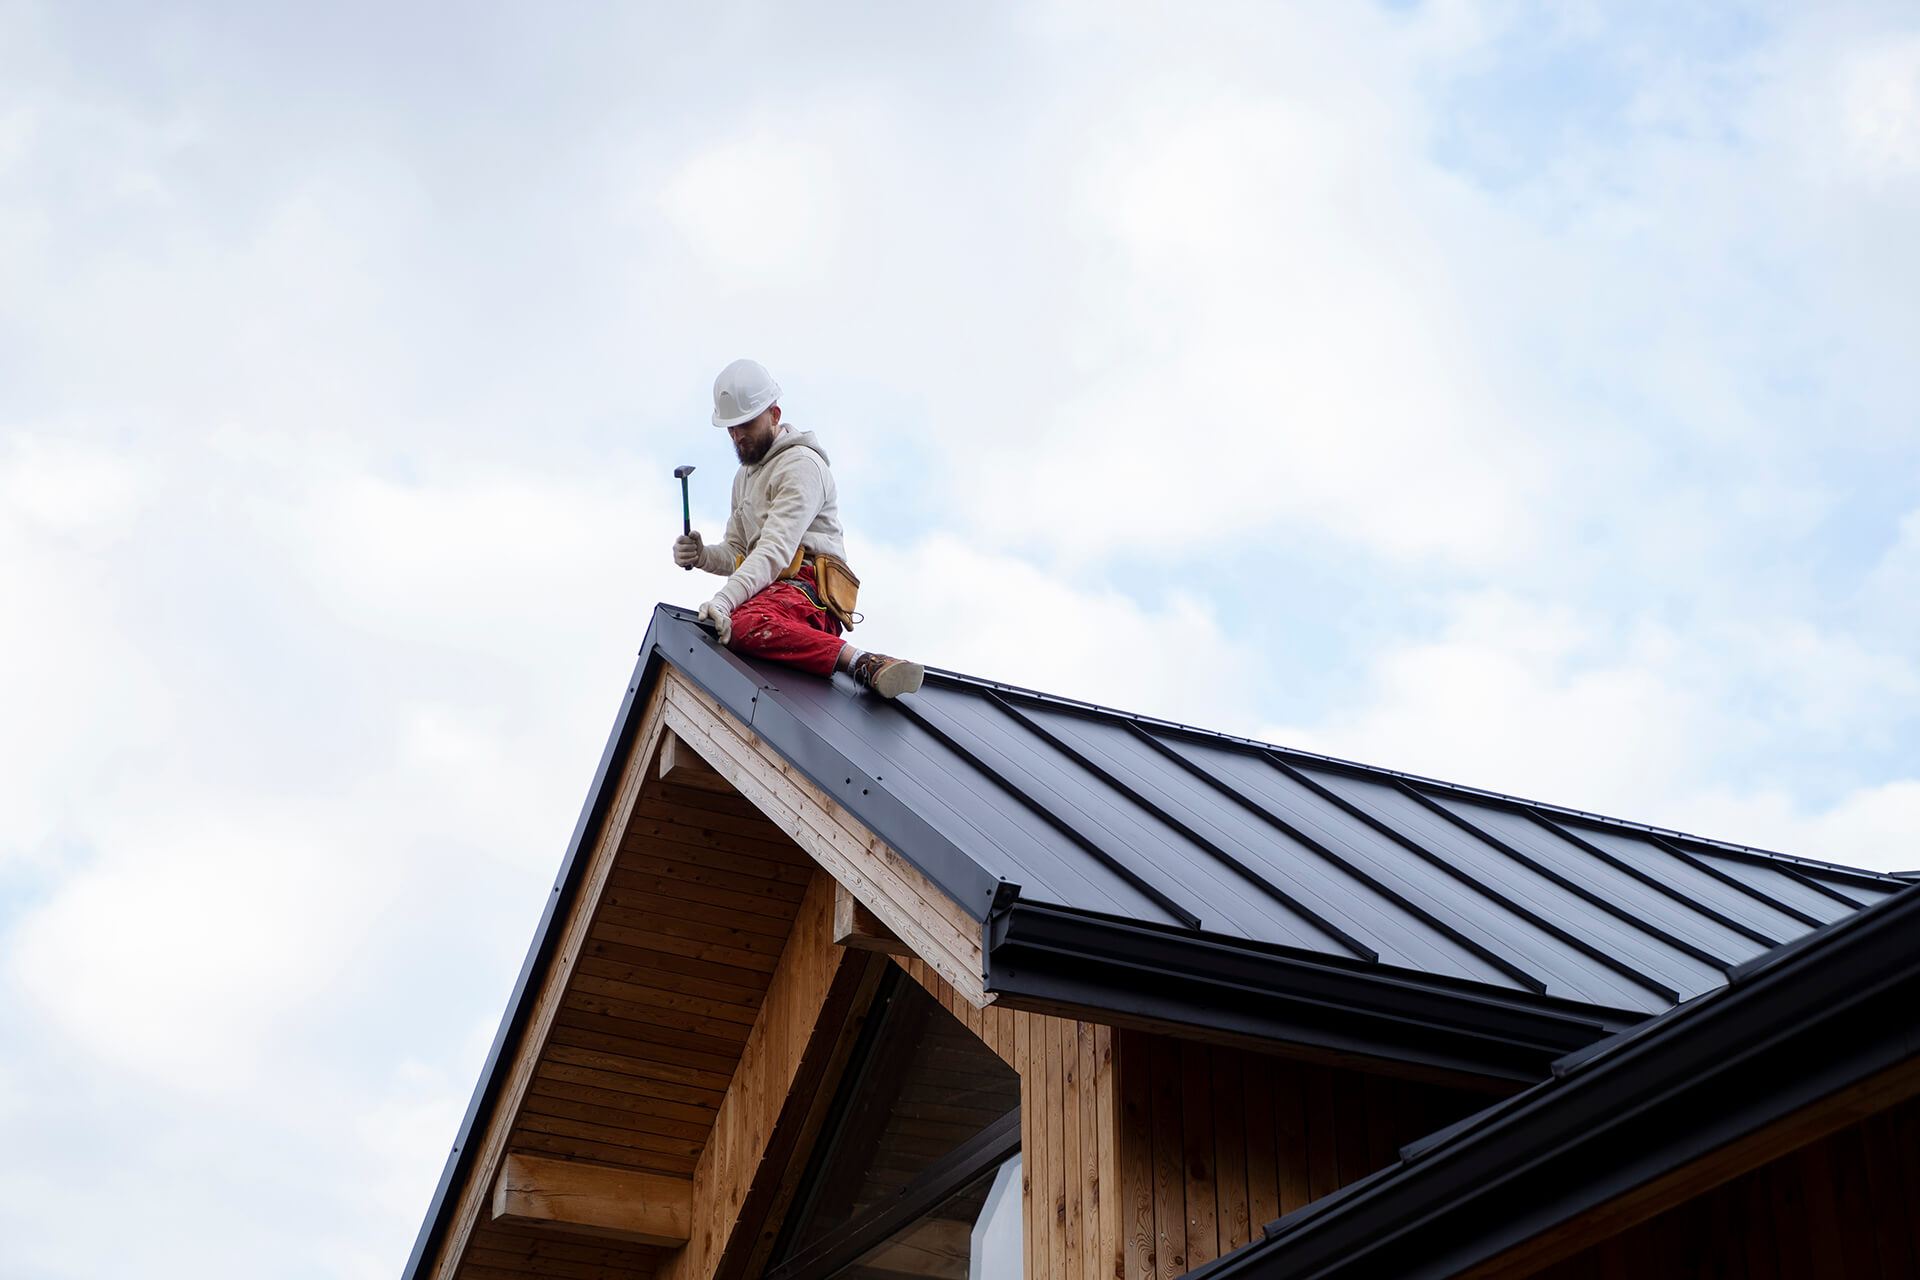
{"points": [[888, 677]]}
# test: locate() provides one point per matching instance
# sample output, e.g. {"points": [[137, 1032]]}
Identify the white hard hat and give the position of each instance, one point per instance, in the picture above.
{"points": [[742, 393]]}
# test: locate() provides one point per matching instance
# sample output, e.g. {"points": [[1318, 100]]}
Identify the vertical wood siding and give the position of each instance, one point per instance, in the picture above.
{"points": [[1845, 1205], [1217, 1142], [1146, 1156]]}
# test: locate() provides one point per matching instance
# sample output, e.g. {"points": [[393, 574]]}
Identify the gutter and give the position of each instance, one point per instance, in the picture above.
{"points": [[1056, 955], [1793, 1030]]}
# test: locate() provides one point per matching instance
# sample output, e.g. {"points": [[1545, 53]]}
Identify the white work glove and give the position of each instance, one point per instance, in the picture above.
{"points": [[687, 550], [719, 614]]}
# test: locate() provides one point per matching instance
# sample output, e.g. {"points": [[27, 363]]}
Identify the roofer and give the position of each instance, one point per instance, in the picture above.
{"points": [[788, 593]]}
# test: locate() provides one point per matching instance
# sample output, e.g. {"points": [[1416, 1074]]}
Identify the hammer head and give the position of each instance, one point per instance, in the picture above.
{"points": [[681, 473]]}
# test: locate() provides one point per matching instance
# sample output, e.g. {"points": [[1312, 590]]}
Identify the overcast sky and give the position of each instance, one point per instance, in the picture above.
{"points": [[1526, 400]]}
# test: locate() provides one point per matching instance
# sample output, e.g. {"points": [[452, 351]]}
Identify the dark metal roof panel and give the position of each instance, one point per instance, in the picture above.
{"points": [[1716, 946], [1244, 901], [1393, 932], [1812, 894], [1134, 839], [1751, 910], [963, 802], [1636, 960], [1097, 811]]}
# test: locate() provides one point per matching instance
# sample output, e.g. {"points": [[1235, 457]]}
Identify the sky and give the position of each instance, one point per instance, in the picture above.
{"points": [[1520, 395]]}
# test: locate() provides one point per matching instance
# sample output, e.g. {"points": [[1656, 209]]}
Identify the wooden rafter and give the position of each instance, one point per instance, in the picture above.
{"points": [[856, 927], [590, 1199], [777, 1098]]}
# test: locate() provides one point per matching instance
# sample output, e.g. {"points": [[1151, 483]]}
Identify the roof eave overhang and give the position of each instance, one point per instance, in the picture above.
{"points": [[1826, 1017], [546, 936], [1057, 956]]}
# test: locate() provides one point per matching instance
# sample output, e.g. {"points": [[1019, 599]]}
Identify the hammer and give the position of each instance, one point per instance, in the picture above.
{"points": [[686, 512]]}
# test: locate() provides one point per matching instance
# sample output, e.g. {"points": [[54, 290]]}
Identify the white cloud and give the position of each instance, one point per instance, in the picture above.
{"points": [[1531, 702], [185, 954], [1650, 725], [1876, 826], [765, 207], [64, 488], [954, 606], [1880, 99]]}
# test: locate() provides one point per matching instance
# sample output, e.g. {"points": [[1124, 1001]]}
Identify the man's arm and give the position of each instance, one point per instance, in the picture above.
{"points": [[721, 559], [691, 551], [795, 497]]}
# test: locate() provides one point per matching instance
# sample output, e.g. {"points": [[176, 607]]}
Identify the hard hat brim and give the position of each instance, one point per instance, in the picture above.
{"points": [[719, 421]]}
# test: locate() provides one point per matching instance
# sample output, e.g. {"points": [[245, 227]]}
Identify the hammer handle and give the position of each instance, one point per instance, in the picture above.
{"points": [[686, 516]]}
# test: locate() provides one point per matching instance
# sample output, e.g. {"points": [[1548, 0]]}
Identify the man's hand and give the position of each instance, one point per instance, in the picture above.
{"points": [[719, 614], [687, 549]]}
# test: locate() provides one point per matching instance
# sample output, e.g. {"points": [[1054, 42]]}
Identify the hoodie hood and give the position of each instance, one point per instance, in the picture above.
{"points": [[792, 439]]}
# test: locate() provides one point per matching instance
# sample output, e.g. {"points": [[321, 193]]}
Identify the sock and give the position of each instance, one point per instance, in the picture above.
{"points": [[848, 656]]}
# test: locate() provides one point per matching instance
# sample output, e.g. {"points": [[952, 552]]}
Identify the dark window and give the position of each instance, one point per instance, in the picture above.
{"points": [[909, 1162], [974, 1235]]}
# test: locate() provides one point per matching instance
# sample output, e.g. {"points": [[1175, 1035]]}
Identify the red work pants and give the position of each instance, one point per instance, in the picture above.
{"points": [[781, 623]]}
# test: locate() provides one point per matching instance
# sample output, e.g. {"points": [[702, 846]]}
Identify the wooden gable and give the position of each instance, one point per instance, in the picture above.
{"points": [[709, 982], [692, 1008]]}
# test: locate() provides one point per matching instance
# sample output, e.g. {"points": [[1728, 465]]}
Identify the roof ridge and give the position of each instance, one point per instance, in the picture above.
{"points": [[963, 679]]}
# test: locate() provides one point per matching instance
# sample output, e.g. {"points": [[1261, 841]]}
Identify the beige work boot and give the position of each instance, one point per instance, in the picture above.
{"points": [[888, 677]]}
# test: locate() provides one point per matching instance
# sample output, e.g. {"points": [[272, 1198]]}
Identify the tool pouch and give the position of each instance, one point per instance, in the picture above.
{"points": [[839, 588]]}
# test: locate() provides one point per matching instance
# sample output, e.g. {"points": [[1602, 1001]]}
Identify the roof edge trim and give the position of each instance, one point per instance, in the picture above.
{"points": [[1054, 954]]}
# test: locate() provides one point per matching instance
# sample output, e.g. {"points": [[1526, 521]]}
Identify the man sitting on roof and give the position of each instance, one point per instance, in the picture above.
{"points": [[788, 593]]}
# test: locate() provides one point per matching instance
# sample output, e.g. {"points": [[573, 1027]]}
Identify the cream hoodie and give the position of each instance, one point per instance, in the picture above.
{"points": [[782, 502]]}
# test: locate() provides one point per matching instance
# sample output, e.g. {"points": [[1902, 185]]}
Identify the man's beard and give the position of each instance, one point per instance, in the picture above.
{"points": [[752, 450]]}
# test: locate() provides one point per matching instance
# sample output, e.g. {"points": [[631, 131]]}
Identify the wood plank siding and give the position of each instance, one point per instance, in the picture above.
{"points": [[1845, 1205], [1147, 1156]]}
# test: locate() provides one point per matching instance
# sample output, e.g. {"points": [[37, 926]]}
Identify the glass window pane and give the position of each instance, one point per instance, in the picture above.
{"points": [[976, 1235], [924, 1086]]}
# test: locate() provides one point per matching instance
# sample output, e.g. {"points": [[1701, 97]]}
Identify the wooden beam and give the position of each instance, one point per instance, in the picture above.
{"points": [[592, 1199], [917, 911], [776, 1098], [682, 766], [855, 926]]}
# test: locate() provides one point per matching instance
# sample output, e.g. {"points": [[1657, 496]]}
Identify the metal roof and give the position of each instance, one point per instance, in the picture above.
{"points": [[1084, 808]]}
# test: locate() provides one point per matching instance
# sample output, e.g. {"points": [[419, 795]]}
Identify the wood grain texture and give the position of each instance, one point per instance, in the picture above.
{"points": [[1073, 1134], [1147, 1155], [1842, 1204], [855, 926], [572, 1196], [895, 891], [1836, 1185], [756, 1134], [1213, 1142]]}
